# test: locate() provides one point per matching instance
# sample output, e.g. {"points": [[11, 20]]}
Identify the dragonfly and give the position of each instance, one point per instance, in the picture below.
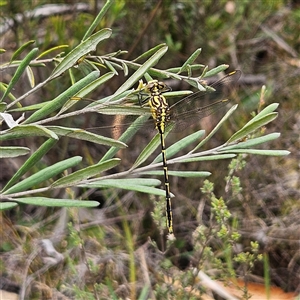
{"points": [[179, 116]]}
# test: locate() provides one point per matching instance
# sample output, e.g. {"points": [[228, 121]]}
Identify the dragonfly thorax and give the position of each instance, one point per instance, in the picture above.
{"points": [[158, 104]]}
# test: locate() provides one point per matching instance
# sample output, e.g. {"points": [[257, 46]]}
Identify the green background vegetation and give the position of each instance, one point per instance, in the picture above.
{"points": [[107, 251]]}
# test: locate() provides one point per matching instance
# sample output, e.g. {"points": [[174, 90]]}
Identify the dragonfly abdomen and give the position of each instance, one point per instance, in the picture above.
{"points": [[161, 114], [169, 214]]}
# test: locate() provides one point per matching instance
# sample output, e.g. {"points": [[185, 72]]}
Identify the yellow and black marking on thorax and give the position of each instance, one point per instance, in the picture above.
{"points": [[161, 114], [158, 104]]}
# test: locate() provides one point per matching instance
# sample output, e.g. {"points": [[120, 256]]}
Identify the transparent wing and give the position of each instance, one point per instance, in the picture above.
{"points": [[184, 112], [191, 109]]}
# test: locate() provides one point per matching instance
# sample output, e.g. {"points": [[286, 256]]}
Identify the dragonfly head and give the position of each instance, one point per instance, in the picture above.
{"points": [[156, 87]]}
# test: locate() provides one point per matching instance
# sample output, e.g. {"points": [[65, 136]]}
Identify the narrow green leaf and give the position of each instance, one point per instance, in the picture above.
{"points": [[253, 142], [269, 109], [85, 66], [217, 127], [150, 148], [123, 110], [189, 70], [30, 76], [125, 68], [252, 126], [148, 77], [98, 19], [82, 49], [260, 152], [52, 202], [129, 181], [44, 175], [22, 131], [180, 94], [21, 68], [138, 74], [178, 173], [7, 205], [174, 70], [20, 50], [6, 152], [190, 60], [195, 83], [95, 84], [121, 184], [30, 107], [33, 63], [72, 76], [194, 67], [116, 53], [156, 73], [147, 151], [78, 176], [51, 50], [3, 106], [31, 161], [205, 158], [181, 144], [60, 100], [87, 89], [149, 52], [204, 71], [82, 134], [111, 67], [216, 70], [117, 66]]}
